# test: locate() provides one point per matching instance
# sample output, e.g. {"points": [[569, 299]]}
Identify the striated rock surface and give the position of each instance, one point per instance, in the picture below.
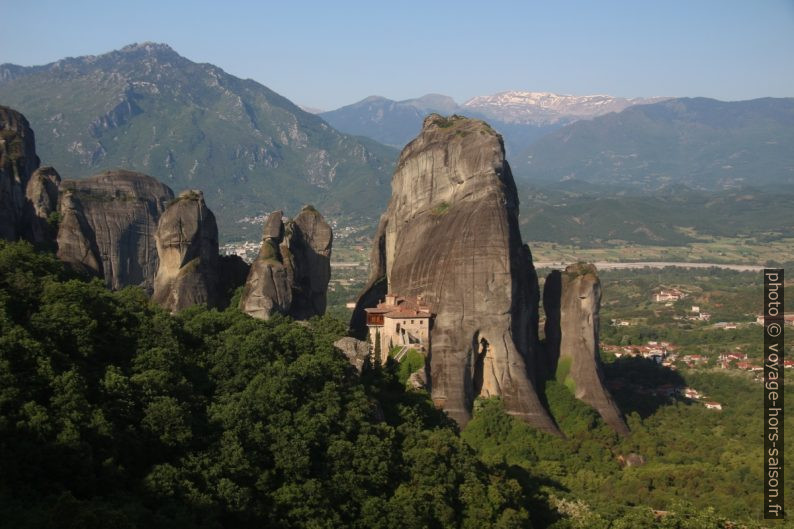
{"points": [[187, 248], [291, 273], [18, 161], [108, 224], [450, 234], [310, 256], [573, 323]]}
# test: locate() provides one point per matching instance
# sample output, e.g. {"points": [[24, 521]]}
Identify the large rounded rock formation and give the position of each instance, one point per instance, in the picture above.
{"points": [[450, 237], [187, 248], [268, 289], [291, 273], [572, 301], [108, 223], [310, 258], [20, 183]]}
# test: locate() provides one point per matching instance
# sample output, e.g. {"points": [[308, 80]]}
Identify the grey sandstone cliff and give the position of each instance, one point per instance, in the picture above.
{"points": [[108, 223], [310, 258], [187, 249], [27, 193], [267, 290], [41, 194], [572, 301], [291, 273], [450, 234]]}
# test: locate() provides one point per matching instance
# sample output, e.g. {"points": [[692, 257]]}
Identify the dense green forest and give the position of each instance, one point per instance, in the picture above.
{"points": [[681, 459], [114, 413]]}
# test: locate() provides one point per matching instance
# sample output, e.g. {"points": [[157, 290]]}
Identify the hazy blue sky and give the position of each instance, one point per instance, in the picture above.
{"points": [[328, 54]]}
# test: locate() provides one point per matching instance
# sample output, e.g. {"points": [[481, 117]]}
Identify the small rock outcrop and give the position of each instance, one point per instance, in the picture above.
{"points": [[450, 235], [187, 249], [572, 300], [108, 223], [291, 273], [356, 351], [418, 380], [630, 460], [18, 161]]}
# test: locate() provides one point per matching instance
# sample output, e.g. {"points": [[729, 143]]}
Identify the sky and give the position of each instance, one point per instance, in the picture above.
{"points": [[329, 54]]}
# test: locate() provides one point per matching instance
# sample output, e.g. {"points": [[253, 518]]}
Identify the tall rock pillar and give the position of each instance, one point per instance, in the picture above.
{"points": [[572, 301], [450, 235]]}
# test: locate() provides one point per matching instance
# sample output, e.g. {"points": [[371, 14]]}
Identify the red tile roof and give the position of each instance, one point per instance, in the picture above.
{"points": [[403, 308]]}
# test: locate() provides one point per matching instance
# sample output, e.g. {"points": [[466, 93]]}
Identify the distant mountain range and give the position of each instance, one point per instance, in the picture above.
{"points": [[702, 143], [640, 143], [390, 122], [252, 151], [546, 108], [146, 108], [520, 116]]}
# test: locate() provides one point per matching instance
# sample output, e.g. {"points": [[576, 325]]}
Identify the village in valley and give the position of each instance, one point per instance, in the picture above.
{"points": [[725, 346]]}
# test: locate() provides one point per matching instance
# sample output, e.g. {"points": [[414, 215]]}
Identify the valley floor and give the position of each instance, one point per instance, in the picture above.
{"points": [[717, 251]]}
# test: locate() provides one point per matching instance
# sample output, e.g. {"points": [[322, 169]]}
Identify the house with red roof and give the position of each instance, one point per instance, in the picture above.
{"points": [[400, 321]]}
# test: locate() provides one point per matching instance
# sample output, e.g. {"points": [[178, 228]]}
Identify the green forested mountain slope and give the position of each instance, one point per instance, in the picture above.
{"points": [[389, 122], [146, 108], [114, 413]]}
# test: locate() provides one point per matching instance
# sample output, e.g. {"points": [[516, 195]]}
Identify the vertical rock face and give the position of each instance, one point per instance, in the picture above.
{"points": [[450, 234], [187, 249], [291, 273], [267, 289], [310, 256], [108, 224], [573, 323], [552, 295], [41, 194], [18, 161]]}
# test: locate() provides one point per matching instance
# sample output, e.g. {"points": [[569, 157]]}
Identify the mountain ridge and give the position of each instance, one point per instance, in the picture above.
{"points": [[520, 116], [145, 107], [699, 142]]}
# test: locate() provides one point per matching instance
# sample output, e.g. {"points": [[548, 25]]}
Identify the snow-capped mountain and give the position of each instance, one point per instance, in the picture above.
{"points": [[546, 108], [521, 117]]}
